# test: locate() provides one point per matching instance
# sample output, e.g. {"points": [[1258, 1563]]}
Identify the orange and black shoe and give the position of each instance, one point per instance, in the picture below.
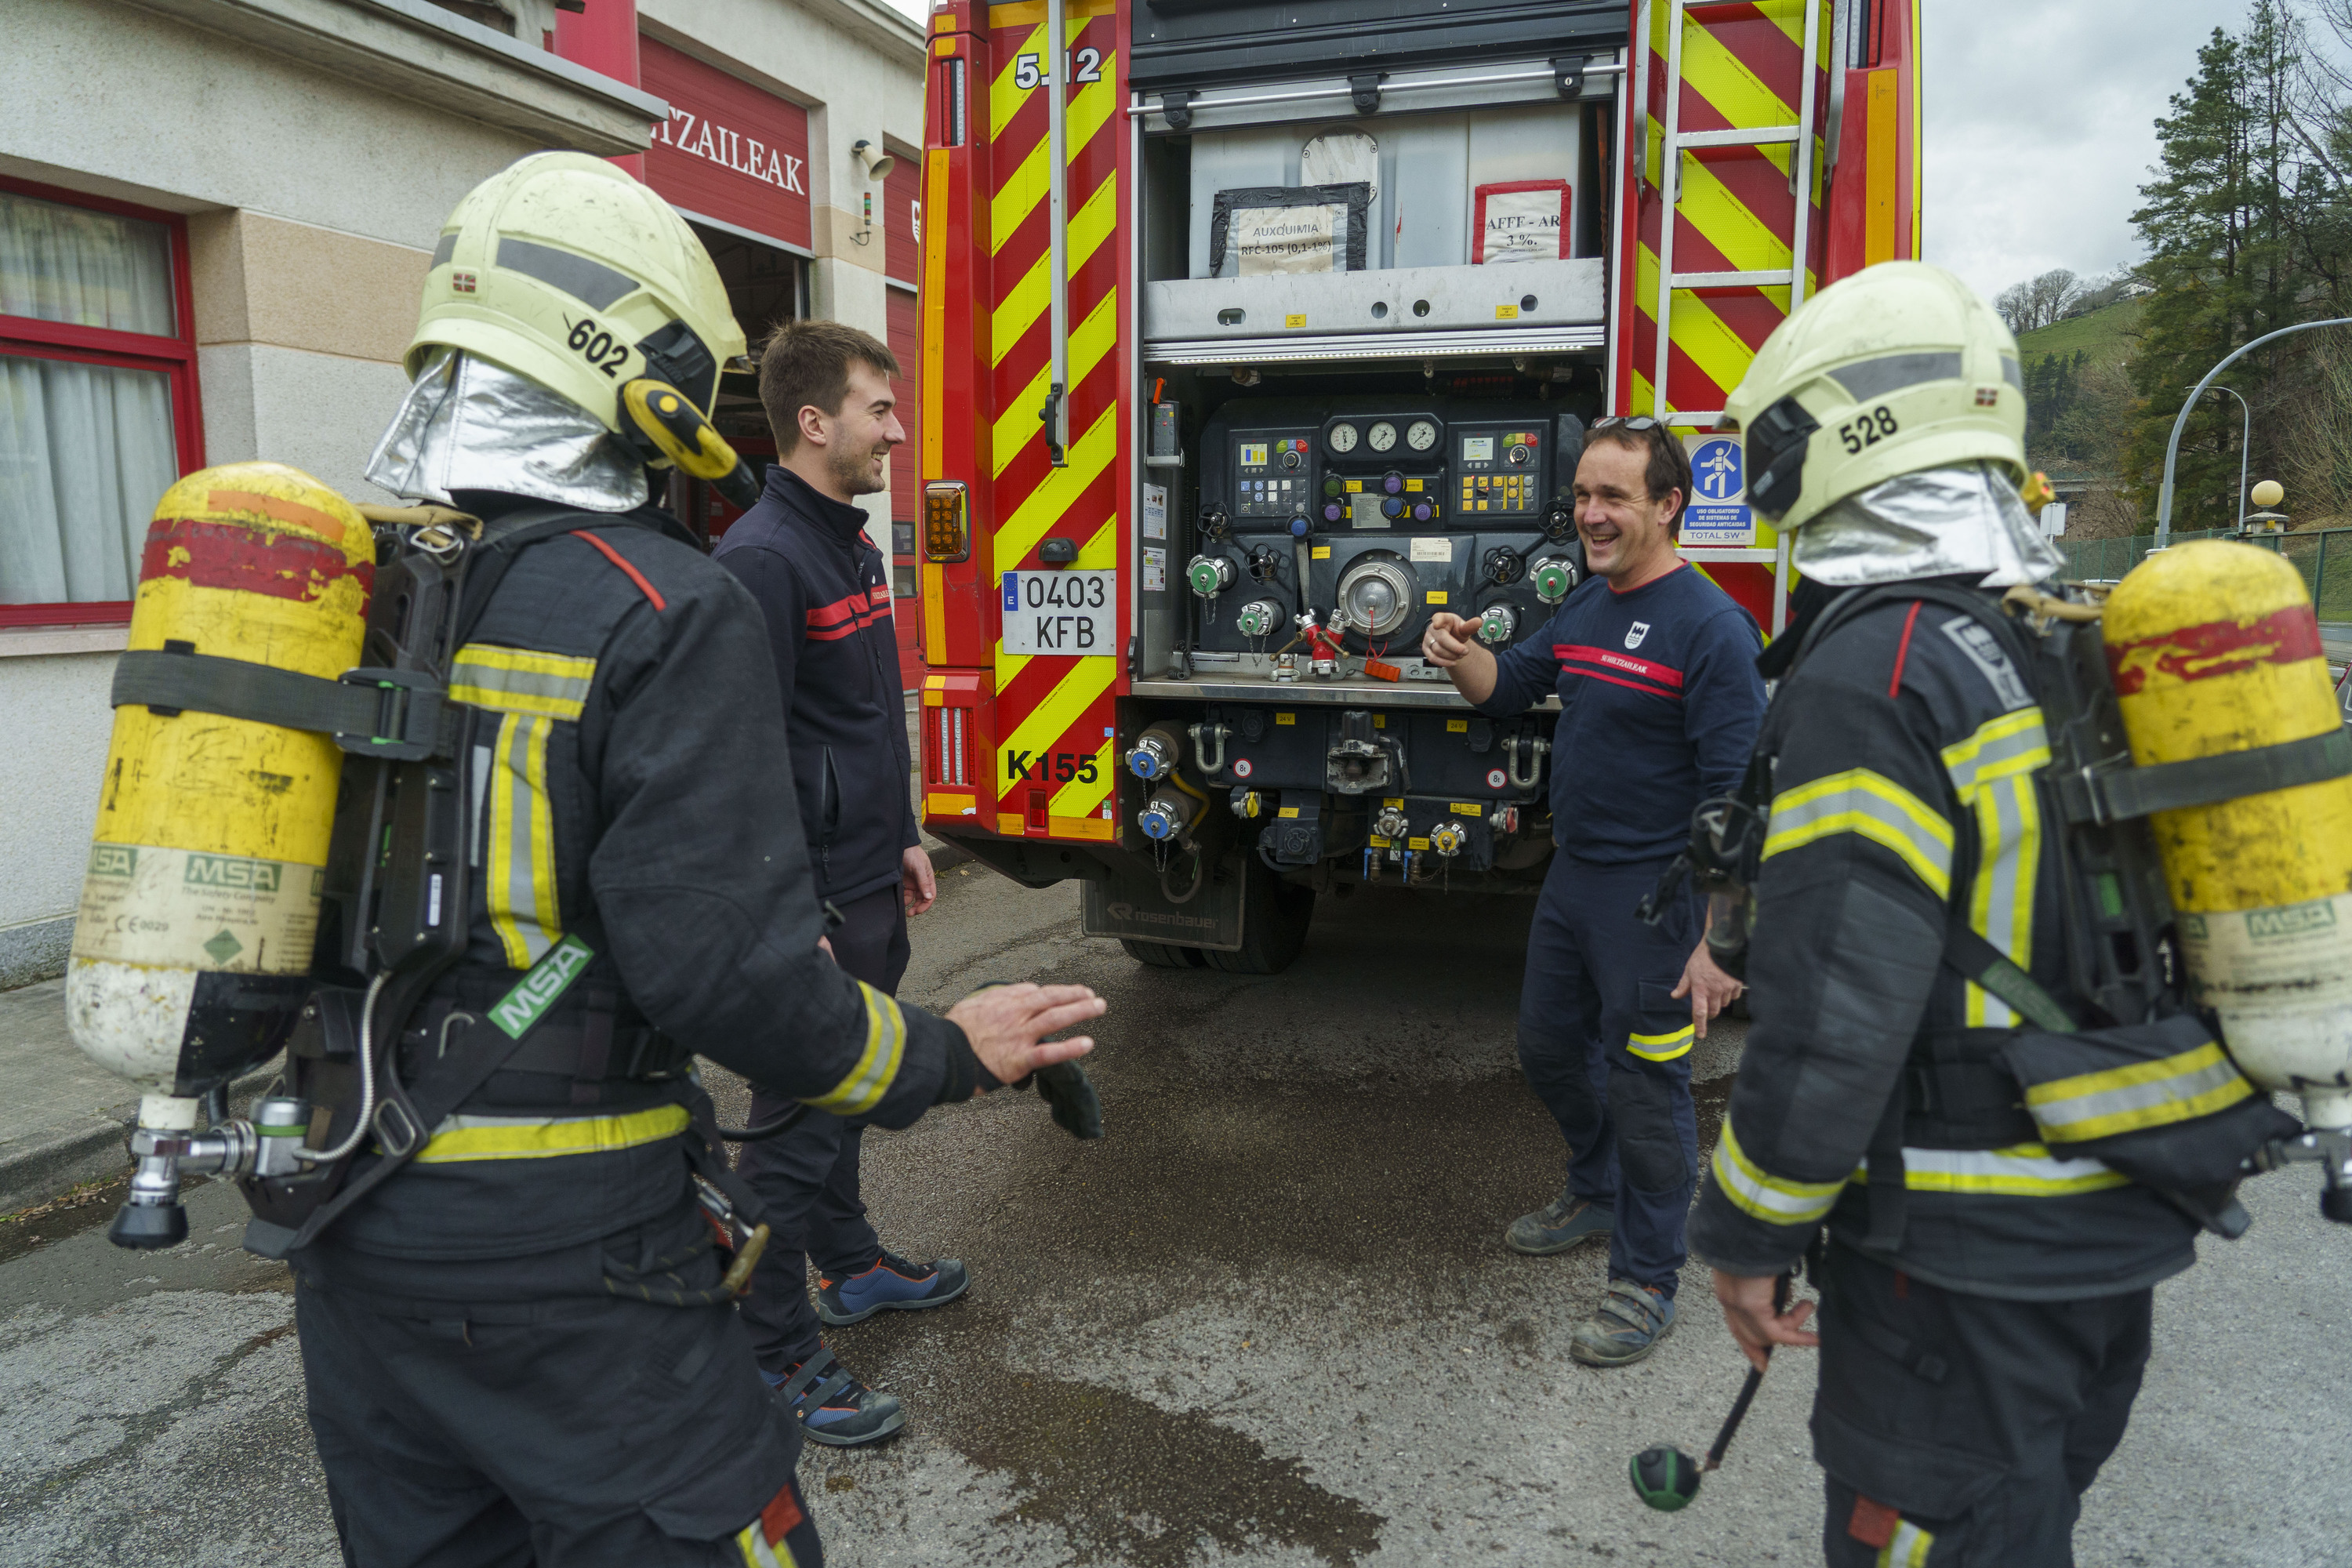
{"points": [[892, 1284]]}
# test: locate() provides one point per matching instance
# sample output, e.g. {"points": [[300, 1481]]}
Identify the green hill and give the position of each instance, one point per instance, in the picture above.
{"points": [[2102, 332]]}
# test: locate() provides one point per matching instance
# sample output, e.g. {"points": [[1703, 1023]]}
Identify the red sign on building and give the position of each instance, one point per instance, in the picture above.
{"points": [[728, 151]]}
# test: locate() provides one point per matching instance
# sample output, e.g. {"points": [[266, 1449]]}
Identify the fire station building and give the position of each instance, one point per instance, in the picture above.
{"points": [[215, 217]]}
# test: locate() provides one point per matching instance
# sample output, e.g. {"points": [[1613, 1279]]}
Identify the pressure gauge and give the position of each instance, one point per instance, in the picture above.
{"points": [[1422, 436], [1343, 437], [1382, 435]]}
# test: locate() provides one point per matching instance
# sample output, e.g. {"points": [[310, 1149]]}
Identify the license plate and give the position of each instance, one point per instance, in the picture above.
{"points": [[1061, 613]]}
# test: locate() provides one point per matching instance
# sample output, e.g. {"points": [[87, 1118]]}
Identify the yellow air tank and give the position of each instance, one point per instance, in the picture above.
{"points": [[193, 945], [2214, 649]]}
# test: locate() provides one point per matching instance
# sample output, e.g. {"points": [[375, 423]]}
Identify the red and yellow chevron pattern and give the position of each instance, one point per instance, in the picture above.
{"points": [[1054, 751], [1742, 70]]}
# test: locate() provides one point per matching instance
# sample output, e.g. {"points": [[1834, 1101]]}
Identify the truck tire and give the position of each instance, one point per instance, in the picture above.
{"points": [[1274, 924], [1160, 955]]}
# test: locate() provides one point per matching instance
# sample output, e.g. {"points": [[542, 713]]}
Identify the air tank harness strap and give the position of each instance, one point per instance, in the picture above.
{"points": [[403, 714], [2119, 792]]}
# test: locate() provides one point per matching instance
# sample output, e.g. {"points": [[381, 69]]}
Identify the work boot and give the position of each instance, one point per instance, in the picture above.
{"points": [[833, 1406], [1560, 1225], [1627, 1325], [892, 1284]]}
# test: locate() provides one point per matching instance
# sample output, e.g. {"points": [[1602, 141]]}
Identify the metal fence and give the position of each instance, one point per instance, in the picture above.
{"points": [[2323, 557]]}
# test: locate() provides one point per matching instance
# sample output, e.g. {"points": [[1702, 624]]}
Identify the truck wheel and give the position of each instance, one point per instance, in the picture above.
{"points": [[1160, 955], [1274, 924]]}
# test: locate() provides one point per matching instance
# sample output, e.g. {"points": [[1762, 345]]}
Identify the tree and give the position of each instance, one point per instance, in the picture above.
{"points": [[2224, 265], [2038, 302]]}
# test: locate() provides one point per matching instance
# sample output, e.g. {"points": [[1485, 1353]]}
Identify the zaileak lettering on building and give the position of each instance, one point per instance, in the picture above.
{"points": [[703, 138]]}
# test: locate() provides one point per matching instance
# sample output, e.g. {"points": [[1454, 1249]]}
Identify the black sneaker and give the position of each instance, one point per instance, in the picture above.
{"points": [[833, 1407], [892, 1284]]}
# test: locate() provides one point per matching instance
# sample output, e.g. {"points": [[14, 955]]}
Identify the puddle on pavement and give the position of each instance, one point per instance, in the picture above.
{"points": [[1132, 1483]]}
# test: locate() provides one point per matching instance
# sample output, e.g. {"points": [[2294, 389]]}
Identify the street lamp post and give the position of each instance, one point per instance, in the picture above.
{"points": [[2180, 421], [2245, 450]]}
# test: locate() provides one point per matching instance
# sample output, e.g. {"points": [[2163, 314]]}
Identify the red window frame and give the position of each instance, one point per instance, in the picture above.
{"points": [[28, 337]]}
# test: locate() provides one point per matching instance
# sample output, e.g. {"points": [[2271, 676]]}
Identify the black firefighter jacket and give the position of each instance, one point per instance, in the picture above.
{"points": [[826, 593], [634, 790], [1903, 748]]}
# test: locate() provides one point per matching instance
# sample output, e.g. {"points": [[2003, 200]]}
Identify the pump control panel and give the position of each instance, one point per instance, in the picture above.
{"points": [[1273, 477], [1501, 468]]}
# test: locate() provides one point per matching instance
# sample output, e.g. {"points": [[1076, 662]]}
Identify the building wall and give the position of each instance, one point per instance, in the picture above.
{"points": [[313, 198]]}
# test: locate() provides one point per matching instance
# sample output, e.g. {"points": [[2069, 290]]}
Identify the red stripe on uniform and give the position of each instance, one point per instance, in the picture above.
{"points": [[1903, 651], [1628, 685], [613, 555], [1660, 673], [2217, 648]]}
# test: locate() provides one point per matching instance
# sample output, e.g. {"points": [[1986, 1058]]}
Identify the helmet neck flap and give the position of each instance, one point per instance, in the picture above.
{"points": [[470, 425], [1964, 520]]}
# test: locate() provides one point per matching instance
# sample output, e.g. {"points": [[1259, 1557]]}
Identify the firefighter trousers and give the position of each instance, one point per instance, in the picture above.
{"points": [[1961, 1431], [1606, 1047], [588, 1432], [808, 1178]]}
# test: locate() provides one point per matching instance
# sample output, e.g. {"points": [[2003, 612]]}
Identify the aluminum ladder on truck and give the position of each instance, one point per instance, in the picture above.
{"points": [[1730, 62]]}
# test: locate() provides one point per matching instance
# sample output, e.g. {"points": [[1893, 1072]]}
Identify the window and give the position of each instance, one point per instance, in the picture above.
{"points": [[98, 397]]}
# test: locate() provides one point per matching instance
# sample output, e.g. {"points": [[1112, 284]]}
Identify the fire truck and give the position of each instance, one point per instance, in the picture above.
{"points": [[1254, 335]]}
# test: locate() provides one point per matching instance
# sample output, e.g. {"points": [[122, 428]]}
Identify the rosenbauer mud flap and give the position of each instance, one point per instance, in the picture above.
{"points": [[1132, 903]]}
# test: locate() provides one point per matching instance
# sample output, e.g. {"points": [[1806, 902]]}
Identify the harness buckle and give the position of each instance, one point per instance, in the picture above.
{"points": [[396, 1129], [408, 713]]}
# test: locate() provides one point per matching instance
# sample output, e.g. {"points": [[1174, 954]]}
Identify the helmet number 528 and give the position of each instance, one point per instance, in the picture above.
{"points": [[1867, 431], [594, 344]]}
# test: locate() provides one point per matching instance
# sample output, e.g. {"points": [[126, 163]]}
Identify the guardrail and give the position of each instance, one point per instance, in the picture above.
{"points": [[2324, 556]]}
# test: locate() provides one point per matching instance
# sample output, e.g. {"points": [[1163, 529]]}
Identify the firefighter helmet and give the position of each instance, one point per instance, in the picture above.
{"points": [[563, 269], [1898, 368]]}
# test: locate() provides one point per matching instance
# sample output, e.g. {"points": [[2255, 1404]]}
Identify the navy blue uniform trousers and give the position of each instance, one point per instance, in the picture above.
{"points": [[808, 1177], [1606, 1047]]}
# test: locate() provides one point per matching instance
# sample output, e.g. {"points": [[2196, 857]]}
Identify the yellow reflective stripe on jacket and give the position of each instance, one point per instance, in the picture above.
{"points": [[1662, 1047], [759, 1551], [522, 680], [1770, 1198], [2146, 1094], [2020, 1171], [519, 872], [1906, 1547], [543, 1138], [1991, 772], [878, 1066], [1872, 806]]}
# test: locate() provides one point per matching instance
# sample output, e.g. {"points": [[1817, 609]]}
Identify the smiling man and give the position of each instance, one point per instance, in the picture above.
{"points": [[803, 554], [1659, 703]]}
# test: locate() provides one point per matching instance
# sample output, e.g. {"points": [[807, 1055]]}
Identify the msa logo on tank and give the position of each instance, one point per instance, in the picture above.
{"points": [[1985, 652], [145, 905], [1061, 613], [1640, 630]]}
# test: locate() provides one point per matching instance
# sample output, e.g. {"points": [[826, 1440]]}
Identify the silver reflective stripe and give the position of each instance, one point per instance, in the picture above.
{"points": [[1871, 806], [1876, 377], [445, 249], [2010, 373], [2022, 1170], [1906, 1547], [522, 881], [2144, 1094], [590, 282], [2017, 741], [522, 680], [2002, 899]]}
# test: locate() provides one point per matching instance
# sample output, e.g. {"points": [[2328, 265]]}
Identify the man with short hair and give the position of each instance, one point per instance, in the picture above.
{"points": [[803, 553], [1659, 699]]}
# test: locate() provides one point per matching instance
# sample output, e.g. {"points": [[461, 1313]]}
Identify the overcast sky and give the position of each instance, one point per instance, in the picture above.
{"points": [[2040, 126]]}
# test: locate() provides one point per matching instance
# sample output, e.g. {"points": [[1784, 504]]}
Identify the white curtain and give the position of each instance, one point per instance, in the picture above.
{"points": [[85, 449], [93, 270]]}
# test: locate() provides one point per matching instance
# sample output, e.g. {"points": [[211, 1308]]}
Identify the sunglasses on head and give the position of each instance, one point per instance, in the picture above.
{"points": [[1626, 421]]}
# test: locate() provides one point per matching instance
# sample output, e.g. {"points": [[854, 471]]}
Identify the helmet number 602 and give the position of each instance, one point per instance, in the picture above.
{"points": [[594, 344], [1869, 430]]}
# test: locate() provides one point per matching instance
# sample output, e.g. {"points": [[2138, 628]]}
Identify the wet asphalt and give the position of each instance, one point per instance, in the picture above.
{"points": [[1267, 1320]]}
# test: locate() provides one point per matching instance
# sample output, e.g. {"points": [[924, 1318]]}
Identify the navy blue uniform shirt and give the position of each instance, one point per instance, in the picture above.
{"points": [[826, 593], [1659, 702]]}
